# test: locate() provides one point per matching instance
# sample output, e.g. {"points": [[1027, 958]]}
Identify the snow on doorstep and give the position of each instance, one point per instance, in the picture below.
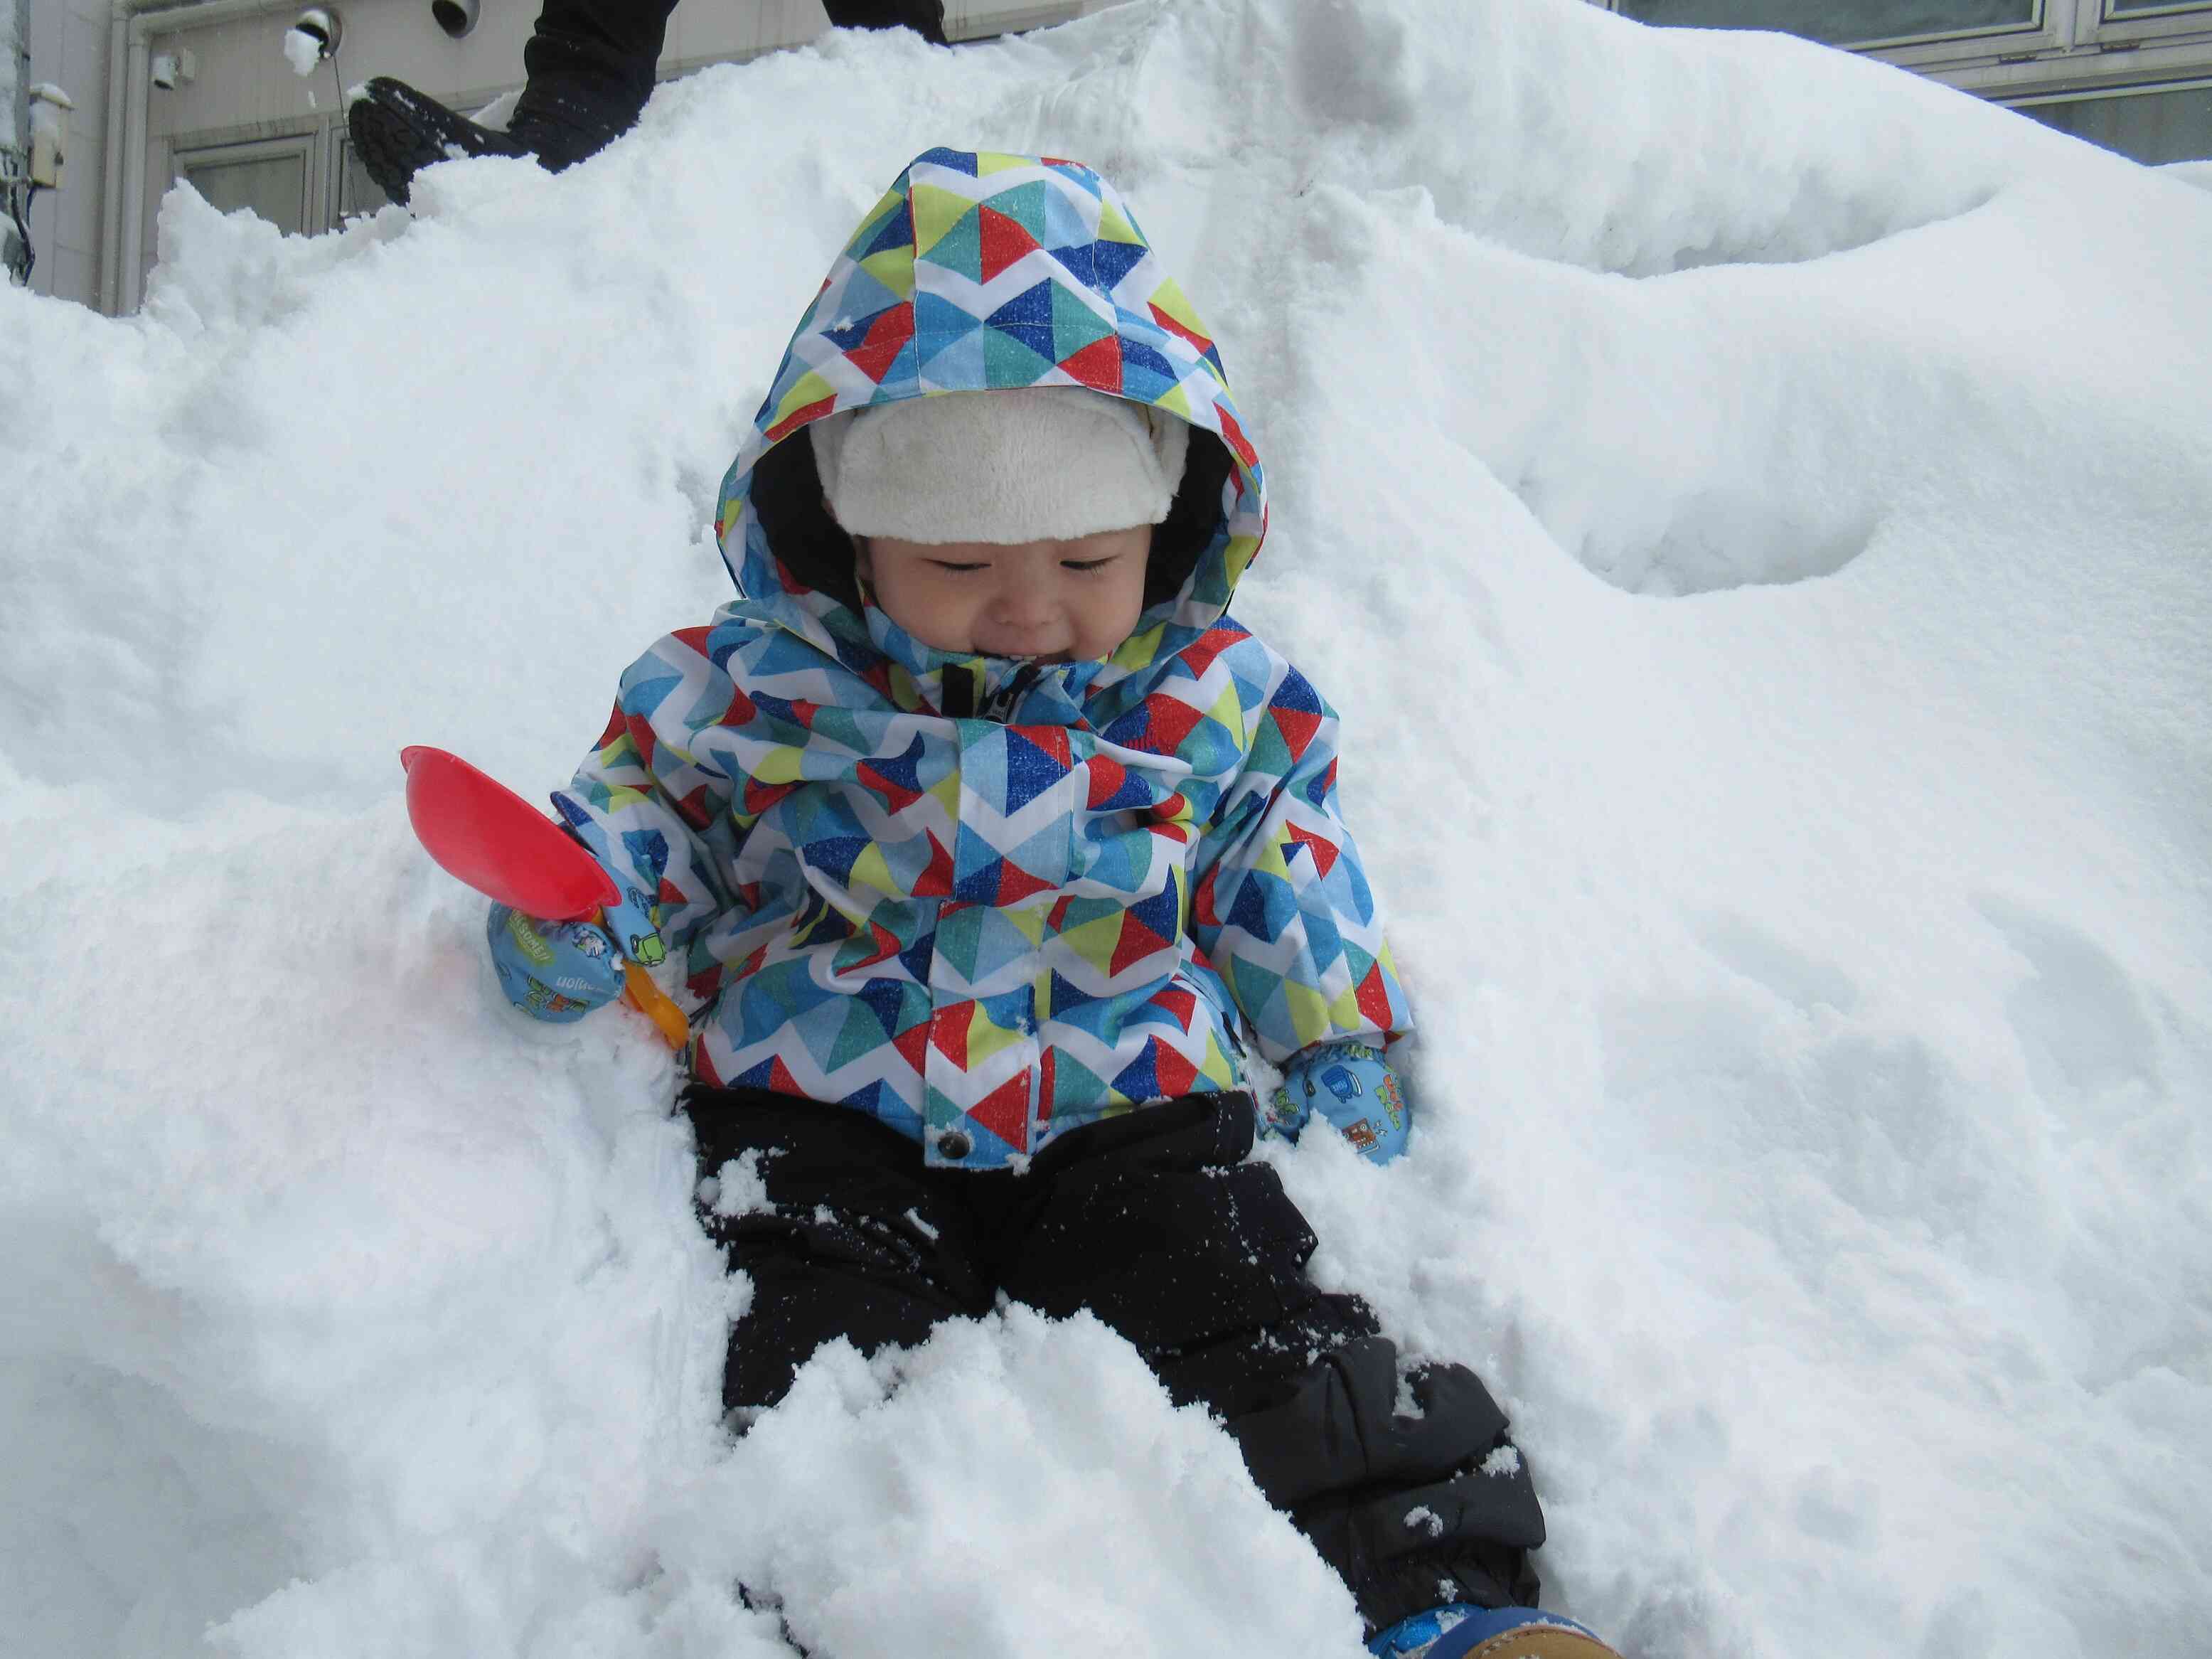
{"points": [[1751, 507]]}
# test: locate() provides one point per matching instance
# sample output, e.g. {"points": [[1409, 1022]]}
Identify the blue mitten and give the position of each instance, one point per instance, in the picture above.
{"points": [[1352, 1087], [556, 970]]}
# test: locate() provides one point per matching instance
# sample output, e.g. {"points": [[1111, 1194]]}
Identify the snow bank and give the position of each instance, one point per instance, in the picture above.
{"points": [[1750, 506]]}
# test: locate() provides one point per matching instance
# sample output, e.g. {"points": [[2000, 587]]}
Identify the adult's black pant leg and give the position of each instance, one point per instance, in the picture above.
{"points": [[847, 1236], [601, 52], [1408, 1484], [925, 17]]}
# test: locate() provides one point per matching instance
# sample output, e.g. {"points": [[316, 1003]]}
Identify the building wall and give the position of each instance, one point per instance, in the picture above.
{"points": [[2134, 74], [69, 47], [14, 21]]}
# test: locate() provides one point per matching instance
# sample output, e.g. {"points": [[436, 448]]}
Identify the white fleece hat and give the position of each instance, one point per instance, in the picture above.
{"points": [[1026, 465]]}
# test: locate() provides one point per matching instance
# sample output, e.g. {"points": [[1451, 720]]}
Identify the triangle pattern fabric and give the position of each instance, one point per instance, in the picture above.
{"points": [[937, 323], [936, 211], [952, 160], [1025, 204], [894, 231], [1097, 365], [1070, 220], [1030, 769], [1075, 325], [1005, 1112], [1028, 318], [1113, 261], [1009, 360], [864, 294], [960, 249], [962, 362], [1002, 242]]}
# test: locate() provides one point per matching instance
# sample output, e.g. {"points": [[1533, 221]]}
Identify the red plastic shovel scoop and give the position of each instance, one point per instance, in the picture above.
{"points": [[481, 832]]}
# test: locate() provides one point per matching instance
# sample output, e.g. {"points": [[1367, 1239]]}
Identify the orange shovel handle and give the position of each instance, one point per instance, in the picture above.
{"points": [[643, 994]]}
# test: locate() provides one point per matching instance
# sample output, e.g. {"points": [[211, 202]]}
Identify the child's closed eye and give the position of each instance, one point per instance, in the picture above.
{"points": [[1085, 566]]}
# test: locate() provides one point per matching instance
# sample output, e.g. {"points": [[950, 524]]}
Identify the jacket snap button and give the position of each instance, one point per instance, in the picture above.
{"points": [[954, 1144]]}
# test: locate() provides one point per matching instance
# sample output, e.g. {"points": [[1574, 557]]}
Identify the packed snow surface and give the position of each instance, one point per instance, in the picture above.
{"points": [[1753, 510]]}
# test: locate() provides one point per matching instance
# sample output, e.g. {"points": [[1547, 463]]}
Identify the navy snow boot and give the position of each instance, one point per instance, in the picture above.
{"points": [[1460, 1631]]}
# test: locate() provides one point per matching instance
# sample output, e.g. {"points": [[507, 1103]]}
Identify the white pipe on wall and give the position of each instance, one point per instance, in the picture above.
{"points": [[136, 72], [111, 165]]}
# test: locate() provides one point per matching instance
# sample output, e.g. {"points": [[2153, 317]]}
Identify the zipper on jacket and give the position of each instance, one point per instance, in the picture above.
{"points": [[1003, 703]]}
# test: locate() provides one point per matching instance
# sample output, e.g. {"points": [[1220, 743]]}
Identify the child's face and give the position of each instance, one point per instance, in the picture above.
{"points": [[1062, 601]]}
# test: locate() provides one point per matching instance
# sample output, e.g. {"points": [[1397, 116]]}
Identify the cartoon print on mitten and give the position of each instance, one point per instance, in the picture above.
{"points": [[637, 919], [1351, 1086], [556, 970]]}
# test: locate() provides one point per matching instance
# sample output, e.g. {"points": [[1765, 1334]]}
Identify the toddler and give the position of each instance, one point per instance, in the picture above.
{"points": [[991, 845]]}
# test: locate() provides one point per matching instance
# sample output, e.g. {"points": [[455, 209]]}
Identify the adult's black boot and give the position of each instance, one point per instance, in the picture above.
{"points": [[397, 131], [589, 64]]}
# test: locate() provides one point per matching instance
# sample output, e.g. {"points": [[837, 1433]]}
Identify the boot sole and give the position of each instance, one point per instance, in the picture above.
{"points": [[397, 133]]}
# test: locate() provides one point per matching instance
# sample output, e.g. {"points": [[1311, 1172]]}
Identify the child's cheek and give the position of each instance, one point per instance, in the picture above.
{"points": [[951, 617], [942, 618]]}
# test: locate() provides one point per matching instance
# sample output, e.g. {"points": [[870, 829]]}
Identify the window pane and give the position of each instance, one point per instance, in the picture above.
{"points": [[2173, 123], [273, 187], [1840, 22], [2122, 8]]}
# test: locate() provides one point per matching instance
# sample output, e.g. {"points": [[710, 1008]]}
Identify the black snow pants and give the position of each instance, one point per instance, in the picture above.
{"points": [[1155, 1222], [605, 50]]}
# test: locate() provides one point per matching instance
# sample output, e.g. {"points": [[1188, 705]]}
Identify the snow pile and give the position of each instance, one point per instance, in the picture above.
{"points": [[1751, 508]]}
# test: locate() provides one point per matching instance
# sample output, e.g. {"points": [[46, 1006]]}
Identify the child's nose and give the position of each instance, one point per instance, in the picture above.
{"points": [[1024, 604]]}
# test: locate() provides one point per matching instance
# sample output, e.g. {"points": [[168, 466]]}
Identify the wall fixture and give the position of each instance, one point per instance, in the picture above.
{"points": [[456, 17], [321, 29], [171, 70]]}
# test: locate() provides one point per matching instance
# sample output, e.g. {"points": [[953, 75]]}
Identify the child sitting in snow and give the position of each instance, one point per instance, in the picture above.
{"points": [[989, 841]]}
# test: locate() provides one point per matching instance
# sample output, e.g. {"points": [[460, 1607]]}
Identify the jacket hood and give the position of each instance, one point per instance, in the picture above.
{"points": [[984, 272]]}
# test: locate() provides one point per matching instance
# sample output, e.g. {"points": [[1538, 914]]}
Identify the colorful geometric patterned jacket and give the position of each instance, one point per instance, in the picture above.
{"points": [[986, 900]]}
